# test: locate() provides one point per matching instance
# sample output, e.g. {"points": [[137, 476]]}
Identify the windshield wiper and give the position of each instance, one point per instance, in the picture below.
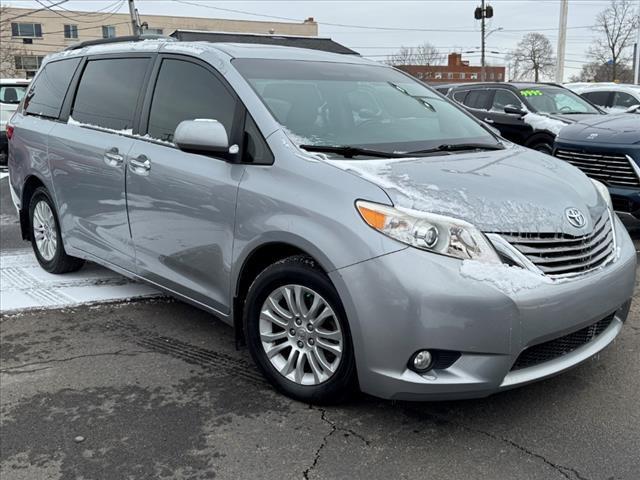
{"points": [[460, 147], [348, 151]]}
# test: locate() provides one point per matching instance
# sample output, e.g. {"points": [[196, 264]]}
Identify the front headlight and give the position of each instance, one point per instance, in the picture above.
{"points": [[604, 193], [428, 231]]}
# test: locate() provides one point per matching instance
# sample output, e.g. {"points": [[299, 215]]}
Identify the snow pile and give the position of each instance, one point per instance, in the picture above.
{"points": [[507, 279], [543, 122]]}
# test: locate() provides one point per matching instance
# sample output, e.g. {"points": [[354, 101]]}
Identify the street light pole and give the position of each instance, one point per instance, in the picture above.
{"points": [[482, 13], [562, 40], [484, 41], [636, 76]]}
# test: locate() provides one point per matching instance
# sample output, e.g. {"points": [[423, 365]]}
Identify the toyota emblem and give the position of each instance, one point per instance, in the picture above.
{"points": [[576, 217]]}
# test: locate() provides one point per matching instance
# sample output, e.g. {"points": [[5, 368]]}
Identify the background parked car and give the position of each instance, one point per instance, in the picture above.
{"points": [[608, 149], [11, 93], [612, 97], [529, 114]]}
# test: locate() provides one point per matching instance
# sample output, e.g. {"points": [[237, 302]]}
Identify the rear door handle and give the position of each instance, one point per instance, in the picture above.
{"points": [[488, 120], [140, 165], [113, 158]]}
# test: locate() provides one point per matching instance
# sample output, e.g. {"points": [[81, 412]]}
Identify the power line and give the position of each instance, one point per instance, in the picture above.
{"points": [[36, 11], [365, 27], [110, 13]]}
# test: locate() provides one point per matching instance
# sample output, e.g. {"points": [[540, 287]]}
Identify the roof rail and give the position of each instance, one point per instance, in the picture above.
{"points": [[312, 43], [128, 38]]}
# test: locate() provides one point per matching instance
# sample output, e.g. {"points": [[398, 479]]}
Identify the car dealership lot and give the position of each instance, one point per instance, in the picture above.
{"points": [[153, 388]]}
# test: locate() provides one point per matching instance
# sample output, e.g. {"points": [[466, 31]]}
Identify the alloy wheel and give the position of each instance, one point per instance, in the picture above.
{"points": [[44, 230], [301, 335]]}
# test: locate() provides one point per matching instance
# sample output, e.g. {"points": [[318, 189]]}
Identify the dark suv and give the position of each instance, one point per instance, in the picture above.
{"points": [[529, 114], [608, 149]]}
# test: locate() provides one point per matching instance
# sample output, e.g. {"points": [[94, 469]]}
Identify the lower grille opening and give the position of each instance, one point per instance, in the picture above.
{"points": [[444, 358], [553, 349]]}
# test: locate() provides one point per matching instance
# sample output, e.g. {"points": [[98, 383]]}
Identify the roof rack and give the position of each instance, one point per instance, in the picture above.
{"points": [[312, 43], [129, 38]]}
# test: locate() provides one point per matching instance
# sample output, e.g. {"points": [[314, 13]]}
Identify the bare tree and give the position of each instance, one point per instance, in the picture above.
{"points": [[601, 72], [424, 54], [404, 56], [427, 54], [8, 51], [533, 58], [617, 25]]}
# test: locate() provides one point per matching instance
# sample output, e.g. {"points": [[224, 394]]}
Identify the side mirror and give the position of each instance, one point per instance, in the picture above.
{"points": [[513, 110], [633, 109], [203, 136]]}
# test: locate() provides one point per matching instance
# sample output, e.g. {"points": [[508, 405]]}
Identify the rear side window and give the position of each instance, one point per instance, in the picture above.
{"points": [[624, 100], [50, 87], [597, 98], [108, 92], [186, 91], [478, 99]]}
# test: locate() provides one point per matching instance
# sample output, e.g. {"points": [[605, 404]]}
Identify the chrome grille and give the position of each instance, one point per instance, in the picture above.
{"points": [[609, 168], [558, 255]]}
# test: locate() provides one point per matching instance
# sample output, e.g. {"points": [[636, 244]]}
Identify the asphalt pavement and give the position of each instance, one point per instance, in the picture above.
{"points": [[155, 389]]}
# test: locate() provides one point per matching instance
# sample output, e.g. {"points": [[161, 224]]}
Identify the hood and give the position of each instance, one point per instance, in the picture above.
{"points": [[512, 190], [623, 129], [576, 117]]}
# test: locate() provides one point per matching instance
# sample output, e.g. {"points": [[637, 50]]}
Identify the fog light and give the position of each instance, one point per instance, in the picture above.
{"points": [[422, 361]]}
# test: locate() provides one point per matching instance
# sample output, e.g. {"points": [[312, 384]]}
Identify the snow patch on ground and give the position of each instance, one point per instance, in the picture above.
{"points": [[543, 122], [24, 285], [507, 279]]}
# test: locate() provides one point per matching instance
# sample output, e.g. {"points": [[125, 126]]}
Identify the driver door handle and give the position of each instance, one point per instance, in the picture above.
{"points": [[140, 165], [113, 158], [488, 120]]}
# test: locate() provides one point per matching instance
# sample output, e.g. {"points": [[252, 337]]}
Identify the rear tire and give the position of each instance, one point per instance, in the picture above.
{"points": [[46, 239], [293, 309]]}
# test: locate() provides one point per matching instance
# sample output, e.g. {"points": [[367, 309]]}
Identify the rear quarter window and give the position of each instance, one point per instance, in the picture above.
{"points": [[48, 90]]}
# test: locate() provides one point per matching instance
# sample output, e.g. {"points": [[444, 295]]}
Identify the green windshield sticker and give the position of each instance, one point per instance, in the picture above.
{"points": [[530, 93]]}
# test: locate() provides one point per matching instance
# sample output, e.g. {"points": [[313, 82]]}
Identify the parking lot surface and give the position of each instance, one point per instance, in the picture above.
{"points": [[155, 389]]}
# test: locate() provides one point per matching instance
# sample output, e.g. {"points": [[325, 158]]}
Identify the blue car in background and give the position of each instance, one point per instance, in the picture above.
{"points": [[608, 149]]}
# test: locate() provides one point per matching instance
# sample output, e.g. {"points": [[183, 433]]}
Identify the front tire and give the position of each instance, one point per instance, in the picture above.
{"points": [[46, 239], [297, 332]]}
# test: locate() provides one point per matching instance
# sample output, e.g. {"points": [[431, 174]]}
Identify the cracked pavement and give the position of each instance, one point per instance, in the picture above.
{"points": [[154, 389]]}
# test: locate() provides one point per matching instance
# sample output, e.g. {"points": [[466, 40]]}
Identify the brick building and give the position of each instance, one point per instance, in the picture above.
{"points": [[456, 70], [27, 36]]}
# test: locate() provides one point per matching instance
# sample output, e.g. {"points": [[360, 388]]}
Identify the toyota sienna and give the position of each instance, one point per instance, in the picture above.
{"points": [[356, 228]]}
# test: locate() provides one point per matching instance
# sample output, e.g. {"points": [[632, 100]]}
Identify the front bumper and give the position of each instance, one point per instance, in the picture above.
{"points": [[410, 300]]}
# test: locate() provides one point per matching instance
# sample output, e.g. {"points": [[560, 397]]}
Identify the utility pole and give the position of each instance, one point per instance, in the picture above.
{"points": [[135, 22], [636, 75], [482, 13], [562, 40]]}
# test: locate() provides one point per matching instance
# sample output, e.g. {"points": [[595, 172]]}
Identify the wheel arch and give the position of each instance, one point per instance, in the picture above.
{"points": [[254, 262]]}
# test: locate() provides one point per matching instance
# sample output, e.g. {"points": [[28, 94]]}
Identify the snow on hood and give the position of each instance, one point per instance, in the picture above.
{"points": [[544, 123], [512, 190]]}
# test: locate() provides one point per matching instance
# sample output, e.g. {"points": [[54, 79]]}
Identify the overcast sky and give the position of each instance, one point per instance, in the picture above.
{"points": [[448, 25]]}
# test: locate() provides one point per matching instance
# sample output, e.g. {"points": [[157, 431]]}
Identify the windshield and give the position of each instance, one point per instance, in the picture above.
{"points": [[12, 93], [549, 99], [367, 106]]}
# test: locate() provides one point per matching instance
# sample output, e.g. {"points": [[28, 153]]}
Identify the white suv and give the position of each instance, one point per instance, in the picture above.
{"points": [[613, 97], [11, 93]]}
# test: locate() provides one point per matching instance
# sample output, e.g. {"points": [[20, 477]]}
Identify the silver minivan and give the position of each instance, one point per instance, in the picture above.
{"points": [[356, 228]]}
